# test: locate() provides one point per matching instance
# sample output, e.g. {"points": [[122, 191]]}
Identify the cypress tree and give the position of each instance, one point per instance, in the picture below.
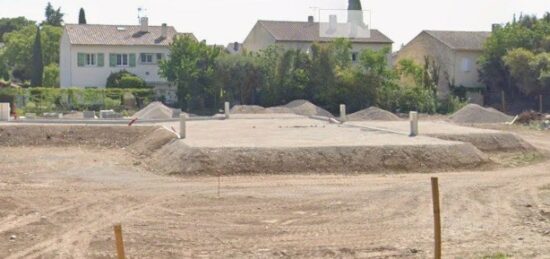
{"points": [[37, 63], [82, 17], [354, 5], [355, 14]]}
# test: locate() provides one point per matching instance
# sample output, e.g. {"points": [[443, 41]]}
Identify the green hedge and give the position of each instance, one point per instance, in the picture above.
{"points": [[39, 100]]}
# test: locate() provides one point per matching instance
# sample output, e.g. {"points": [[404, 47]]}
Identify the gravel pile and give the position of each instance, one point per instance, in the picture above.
{"points": [[155, 111], [373, 114], [306, 108], [473, 113], [247, 109]]}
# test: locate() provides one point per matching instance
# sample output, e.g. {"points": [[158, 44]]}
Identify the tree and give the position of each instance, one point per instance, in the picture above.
{"points": [[18, 49], [526, 32], [37, 62], [81, 16], [355, 14], [528, 70], [53, 17], [13, 24], [51, 75], [191, 67]]}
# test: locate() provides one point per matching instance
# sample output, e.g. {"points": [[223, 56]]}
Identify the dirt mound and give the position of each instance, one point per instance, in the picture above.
{"points": [[247, 109], [72, 135], [473, 113], [155, 111], [152, 141], [177, 158], [373, 114], [306, 108]]}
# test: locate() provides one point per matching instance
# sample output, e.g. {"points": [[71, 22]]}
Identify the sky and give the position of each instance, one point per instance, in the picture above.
{"points": [[225, 21]]}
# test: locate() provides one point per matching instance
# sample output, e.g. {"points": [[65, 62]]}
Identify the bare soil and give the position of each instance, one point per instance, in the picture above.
{"points": [[61, 202]]}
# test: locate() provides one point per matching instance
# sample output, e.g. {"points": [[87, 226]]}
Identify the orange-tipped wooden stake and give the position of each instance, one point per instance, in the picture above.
{"points": [[437, 217], [119, 242]]}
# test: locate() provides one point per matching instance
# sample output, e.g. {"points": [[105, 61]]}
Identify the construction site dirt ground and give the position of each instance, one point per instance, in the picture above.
{"points": [[61, 202]]}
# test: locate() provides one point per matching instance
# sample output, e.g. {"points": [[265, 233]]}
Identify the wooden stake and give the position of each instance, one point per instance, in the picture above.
{"points": [[437, 218], [119, 242]]}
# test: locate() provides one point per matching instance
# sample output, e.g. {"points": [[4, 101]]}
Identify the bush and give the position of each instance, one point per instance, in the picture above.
{"points": [[51, 75], [125, 79], [39, 100]]}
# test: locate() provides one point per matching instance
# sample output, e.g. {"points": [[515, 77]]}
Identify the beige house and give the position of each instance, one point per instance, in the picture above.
{"points": [[90, 53], [456, 52], [301, 35]]}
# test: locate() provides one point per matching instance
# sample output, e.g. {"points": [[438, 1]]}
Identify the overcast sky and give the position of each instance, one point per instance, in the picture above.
{"points": [[224, 21]]}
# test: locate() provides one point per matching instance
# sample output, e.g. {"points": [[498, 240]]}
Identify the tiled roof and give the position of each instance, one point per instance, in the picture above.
{"points": [[461, 40], [309, 32], [91, 34]]}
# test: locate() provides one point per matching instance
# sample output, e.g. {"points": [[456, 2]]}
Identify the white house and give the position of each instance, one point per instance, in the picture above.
{"points": [[90, 53], [301, 35]]}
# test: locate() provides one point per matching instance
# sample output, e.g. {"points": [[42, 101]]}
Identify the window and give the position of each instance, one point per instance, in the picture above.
{"points": [[146, 58], [466, 65], [90, 59], [122, 60], [160, 56], [354, 56]]}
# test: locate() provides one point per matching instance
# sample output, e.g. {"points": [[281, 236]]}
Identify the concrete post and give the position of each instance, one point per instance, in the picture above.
{"points": [[343, 116], [413, 116], [226, 108], [183, 129], [5, 111]]}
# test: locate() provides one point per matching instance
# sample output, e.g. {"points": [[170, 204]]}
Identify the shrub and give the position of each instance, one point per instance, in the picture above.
{"points": [[125, 79], [51, 75]]}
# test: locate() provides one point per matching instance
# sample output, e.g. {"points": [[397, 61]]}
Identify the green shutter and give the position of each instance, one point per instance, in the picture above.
{"points": [[81, 59], [100, 59], [132, 60], [112, 60]]}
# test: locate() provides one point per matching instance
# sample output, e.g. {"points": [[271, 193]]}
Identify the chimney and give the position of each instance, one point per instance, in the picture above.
{"points": [[144, 22], [164, 31], [236, 46], [333, 22], [310, 18]]}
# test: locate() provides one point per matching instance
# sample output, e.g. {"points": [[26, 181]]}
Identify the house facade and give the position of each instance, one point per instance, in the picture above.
{"points": [[301, 35], [456, 52], [90, 53]]}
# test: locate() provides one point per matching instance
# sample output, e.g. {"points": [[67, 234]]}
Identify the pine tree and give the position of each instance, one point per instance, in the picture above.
{"points": [[37, 63], [53, 17], [82, 17]]}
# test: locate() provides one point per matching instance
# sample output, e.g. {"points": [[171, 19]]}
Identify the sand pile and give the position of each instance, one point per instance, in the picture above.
{"points": [[373, 114], [247, 109], [155, 111], [306, 108], [473, 113]]}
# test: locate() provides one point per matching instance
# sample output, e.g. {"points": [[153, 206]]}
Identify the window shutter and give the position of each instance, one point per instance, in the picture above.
{"points": [[112, 60], [132, 59], [100, 59], [81, 59]]}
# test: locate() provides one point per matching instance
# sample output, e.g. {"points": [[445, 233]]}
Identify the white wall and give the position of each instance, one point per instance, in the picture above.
{"points": [[74, 76]]}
